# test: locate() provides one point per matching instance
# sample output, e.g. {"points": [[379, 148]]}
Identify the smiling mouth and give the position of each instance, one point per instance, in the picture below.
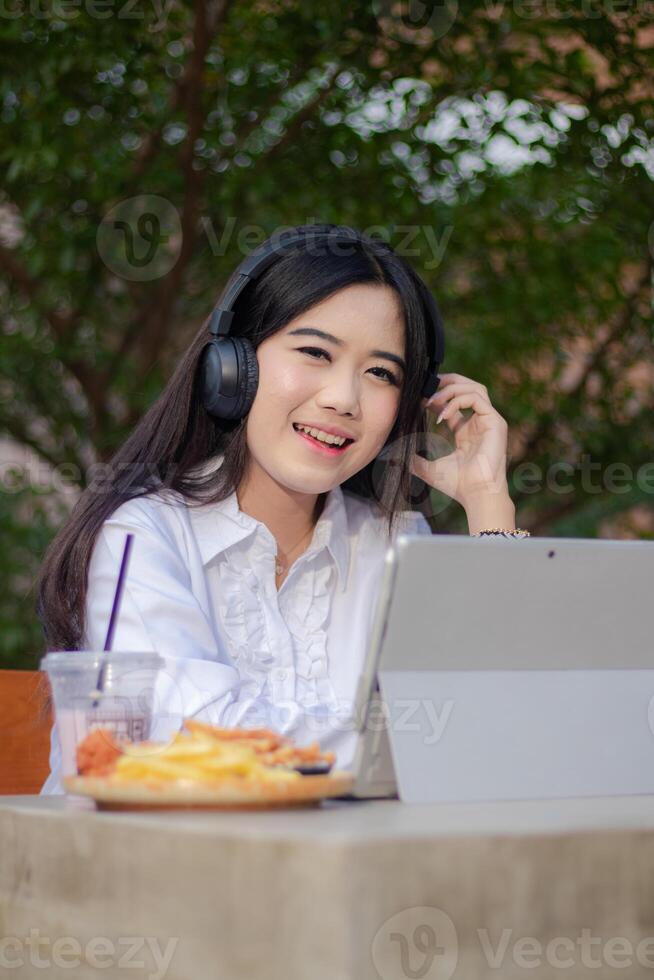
{"points": [[326, 447]]}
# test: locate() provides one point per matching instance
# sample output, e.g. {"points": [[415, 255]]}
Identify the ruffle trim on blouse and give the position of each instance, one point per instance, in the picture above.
{"points": [[305, 615], [243, 621], [307, 622]]}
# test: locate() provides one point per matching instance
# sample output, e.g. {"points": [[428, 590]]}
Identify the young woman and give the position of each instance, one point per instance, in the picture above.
{"points": [[259, 542]]}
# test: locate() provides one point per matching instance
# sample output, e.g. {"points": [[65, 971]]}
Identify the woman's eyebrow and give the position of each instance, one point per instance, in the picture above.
{"points": [[313, 331]]}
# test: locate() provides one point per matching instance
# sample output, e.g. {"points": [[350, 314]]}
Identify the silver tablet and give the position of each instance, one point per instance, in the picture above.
{"points": [[503, 669]]}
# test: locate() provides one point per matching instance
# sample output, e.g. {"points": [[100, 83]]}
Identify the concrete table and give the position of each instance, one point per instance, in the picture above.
{"points": [[346, 891]]}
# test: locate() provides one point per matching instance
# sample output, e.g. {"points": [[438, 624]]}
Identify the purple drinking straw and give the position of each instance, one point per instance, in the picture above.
{"points": [[114, 613]]}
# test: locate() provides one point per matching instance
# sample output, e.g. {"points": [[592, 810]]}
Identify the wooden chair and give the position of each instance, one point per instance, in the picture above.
{"points": [[25, 723]]}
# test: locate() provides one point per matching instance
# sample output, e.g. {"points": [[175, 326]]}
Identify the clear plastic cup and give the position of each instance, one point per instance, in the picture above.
{"points": [[125, 706]]}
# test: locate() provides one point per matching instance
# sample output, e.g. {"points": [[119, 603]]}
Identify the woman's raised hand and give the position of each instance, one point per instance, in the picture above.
{"points": [[477, 466]]}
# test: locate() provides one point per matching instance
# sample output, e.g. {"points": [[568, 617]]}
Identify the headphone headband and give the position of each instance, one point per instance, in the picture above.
{"points": [[265, 254]]}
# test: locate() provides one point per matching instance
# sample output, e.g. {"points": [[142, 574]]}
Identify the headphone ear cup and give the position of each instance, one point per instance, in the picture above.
{"points": [[248, 375], [211, 374], [229, 377]]}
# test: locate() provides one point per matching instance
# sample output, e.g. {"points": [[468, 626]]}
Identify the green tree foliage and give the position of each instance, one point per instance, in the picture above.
{"points": [[505, 148]]}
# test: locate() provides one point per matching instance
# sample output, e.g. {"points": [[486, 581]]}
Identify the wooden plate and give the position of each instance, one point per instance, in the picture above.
{"points": [[228, 794]]}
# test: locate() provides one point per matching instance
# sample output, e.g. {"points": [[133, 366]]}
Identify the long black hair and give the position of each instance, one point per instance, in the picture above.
{"points": [[176, 435]]}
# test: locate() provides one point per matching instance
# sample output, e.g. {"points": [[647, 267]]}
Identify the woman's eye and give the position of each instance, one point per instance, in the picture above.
{"points": [[318, 352], [392, 378], [312, 351]]}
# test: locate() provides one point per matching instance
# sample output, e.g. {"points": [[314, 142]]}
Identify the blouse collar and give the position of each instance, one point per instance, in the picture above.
{"points": [[220, 525]]}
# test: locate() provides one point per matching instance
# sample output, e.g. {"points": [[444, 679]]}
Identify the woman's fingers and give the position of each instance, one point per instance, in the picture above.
{"points": [[456, 388], [482, 408], [451, 379], [469, 399], [451, 394], [457, 392]]}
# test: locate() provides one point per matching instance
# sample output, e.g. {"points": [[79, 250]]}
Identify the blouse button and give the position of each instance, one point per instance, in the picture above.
{"points": [[280, 674]]}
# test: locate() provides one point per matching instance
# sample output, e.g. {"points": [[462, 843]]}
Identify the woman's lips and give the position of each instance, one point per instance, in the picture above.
{"points": [[322, 447]]}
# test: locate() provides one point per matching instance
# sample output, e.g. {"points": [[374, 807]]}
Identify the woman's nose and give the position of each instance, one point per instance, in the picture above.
{"points": [[340, 393]]}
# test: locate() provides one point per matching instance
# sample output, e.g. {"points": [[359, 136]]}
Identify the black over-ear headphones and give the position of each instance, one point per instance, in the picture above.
{"points": [[229, 368]]}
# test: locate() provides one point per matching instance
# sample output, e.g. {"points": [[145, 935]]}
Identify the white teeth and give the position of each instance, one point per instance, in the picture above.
{"points": [[323, 436]]}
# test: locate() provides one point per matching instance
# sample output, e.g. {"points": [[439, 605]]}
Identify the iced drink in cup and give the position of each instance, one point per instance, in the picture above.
{"points": [[125, 705]]}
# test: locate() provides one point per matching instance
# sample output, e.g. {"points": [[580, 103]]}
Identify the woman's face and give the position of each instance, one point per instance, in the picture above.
{"points": [[348, 383]]}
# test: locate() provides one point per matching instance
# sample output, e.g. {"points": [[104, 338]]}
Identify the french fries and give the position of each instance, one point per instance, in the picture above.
{"points": [[202, 754], [272, 748]]}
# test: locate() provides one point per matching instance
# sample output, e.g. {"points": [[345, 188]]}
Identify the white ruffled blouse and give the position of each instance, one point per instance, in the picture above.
{"points": [[201, 592]]}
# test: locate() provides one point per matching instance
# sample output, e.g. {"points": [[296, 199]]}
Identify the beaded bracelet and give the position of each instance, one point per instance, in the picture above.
{"points": [[516, 532]]}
